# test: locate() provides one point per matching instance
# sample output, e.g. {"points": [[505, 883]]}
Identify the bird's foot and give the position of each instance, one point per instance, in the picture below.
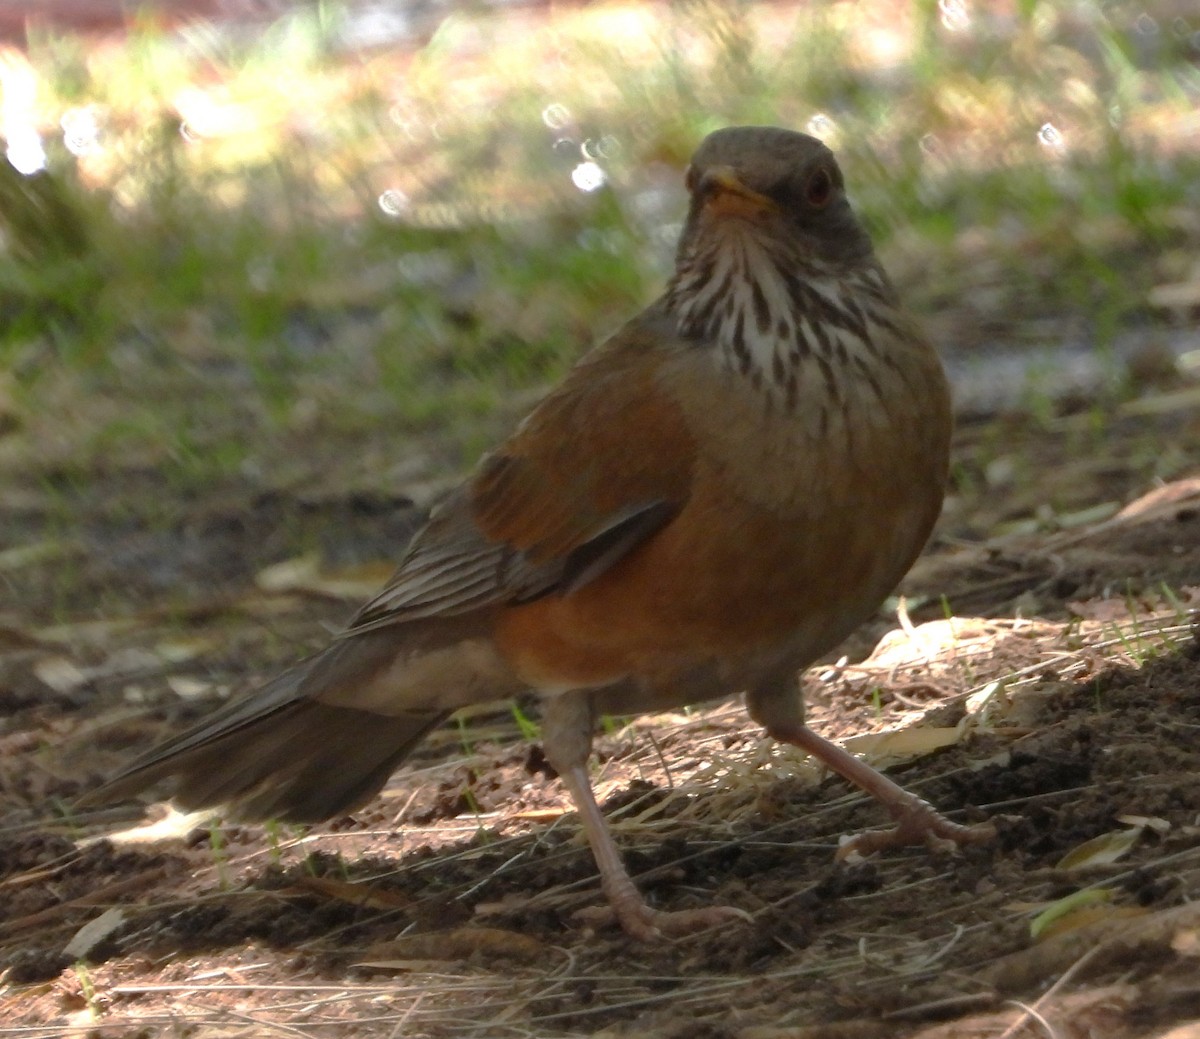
{"points": [[641, 922], [917, 822]]}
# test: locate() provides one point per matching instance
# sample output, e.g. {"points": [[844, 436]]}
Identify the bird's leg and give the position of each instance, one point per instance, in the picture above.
{"points": [[779, 708], [567, 739]]}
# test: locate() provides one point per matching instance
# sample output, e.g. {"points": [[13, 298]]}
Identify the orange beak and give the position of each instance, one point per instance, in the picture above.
{"points": [[725, 195]]}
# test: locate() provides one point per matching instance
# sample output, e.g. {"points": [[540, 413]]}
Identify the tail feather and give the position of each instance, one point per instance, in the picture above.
{"points": [[281, 753], [307, 763]]}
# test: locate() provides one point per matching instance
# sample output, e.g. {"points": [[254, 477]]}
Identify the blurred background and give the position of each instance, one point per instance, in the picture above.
{"points": [[273, 275], [255, 253]]}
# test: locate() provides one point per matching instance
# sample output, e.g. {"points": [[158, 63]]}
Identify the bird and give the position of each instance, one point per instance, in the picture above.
{"points": [[710, 500]]}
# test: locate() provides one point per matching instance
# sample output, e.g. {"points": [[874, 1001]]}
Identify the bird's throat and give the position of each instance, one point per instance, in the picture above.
{"points": [[776, 321]]}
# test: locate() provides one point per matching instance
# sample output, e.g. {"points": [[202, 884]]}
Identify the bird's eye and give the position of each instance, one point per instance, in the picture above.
{"points": [[690, 178], [818, 192]]}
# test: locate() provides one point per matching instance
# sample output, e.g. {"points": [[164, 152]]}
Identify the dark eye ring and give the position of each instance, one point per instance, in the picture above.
{"points": [[818, 192]]}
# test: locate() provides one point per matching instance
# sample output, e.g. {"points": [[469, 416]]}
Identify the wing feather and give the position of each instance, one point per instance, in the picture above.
{"points": [[600, 466]]}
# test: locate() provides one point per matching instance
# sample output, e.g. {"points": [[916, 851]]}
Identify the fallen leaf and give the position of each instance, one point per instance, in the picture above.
{"points": [[903, 744], [459, 944], [60, 674], [1088, 915], [355, 894], [1149, 822], [1102, 850], [1070, 904], [94, 932], [304, 574], [38, 552], [188, 688], [174, 826], [1186, 942], [288, 574], [1178, 296]]}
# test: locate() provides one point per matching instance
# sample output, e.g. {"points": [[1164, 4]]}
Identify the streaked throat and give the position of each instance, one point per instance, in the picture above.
{"points": [[777, 320]]}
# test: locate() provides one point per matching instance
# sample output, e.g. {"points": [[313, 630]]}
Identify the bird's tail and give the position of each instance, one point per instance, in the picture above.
{"points": [[282, 753]]}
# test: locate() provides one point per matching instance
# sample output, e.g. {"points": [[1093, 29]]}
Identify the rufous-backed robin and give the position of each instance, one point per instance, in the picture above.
{"points": [[713, 497]]}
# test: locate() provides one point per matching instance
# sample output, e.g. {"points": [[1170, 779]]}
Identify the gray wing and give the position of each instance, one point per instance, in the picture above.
{"points": [[325, 735], [452, 568]]}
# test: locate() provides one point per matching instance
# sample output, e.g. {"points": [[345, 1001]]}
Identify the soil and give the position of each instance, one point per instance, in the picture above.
{"points": [[450, 905]]}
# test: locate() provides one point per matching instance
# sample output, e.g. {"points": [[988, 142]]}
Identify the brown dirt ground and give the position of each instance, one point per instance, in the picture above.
{"points": [[447, 907]]}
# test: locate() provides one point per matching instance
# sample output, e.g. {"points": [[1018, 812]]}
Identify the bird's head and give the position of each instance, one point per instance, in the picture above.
{"points": [[774, 274], [781, 185]]}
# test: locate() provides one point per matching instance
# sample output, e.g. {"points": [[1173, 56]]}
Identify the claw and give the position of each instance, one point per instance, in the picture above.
{"points": [[644, 924], [917, 822]]}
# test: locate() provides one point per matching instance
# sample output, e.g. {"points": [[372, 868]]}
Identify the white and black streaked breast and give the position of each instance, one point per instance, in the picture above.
{"points": [[798, 333]]}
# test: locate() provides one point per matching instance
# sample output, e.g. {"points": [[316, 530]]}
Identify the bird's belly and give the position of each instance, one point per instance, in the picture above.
{"points": [[726, 582]]}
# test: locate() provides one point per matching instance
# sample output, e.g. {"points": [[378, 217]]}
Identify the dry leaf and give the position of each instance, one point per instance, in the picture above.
{"points": [[1149, 822], [289, 574], [355, 894], [1064, 906], [460, 944], [1100, 851], [304, 574], [1088, 915], [60, 674], [38, 552], [903, 744], [174, 826], [188, 688], [1179, 295], [94, 932], [1186, 942]]}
